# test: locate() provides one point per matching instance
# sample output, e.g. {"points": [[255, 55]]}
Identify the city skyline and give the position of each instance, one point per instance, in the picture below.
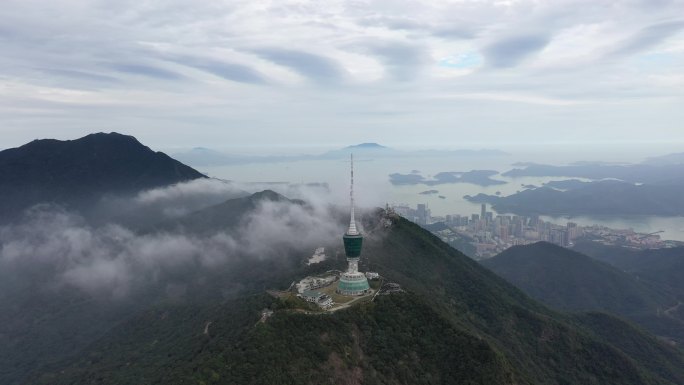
{"points": [[490, 235]]}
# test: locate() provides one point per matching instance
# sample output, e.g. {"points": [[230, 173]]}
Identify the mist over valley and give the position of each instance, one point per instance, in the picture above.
{"points": [[75, 274]]}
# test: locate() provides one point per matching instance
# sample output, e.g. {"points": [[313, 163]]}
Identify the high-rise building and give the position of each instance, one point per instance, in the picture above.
{"points": [[534, 221], [422, 213], [352, 282], [573, 231], [503, 232], [518, 229], [559, 237], [483, 211]]}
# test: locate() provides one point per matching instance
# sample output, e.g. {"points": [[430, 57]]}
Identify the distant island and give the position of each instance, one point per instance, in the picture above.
{"points": [[650, 188], [477, 177], [636, 173], [608, 197], [669, 159], [429, 192], [567, 184], [205, 157]]}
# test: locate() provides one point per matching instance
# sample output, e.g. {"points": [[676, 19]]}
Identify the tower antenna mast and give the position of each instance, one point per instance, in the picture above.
{"points": [[352, 222]]}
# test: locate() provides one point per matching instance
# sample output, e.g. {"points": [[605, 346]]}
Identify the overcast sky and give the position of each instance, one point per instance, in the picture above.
{"points": [[328, 73]]}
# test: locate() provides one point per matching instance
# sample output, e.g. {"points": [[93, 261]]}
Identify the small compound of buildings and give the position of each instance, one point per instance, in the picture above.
{"points": [[389, 288], [313, 283], [320, 299], [371, 275]]}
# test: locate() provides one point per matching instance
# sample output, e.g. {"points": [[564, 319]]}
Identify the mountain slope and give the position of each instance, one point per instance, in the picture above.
{"points": [[75, 172], [44, 321], [460, 323], [535, 339], [567, 280], [372, 344], [572, 281], [226, 215], [659, 267]]}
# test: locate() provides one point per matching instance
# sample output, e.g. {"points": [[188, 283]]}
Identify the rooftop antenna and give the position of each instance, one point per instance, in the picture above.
{"points": [[352, 223]]}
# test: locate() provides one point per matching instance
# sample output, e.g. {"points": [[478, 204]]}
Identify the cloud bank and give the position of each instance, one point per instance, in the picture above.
{"points": [[176, 74], [57, 249]]}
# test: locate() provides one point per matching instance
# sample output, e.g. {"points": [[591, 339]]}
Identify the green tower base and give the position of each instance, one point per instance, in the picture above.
{"points": [[352, 284]]}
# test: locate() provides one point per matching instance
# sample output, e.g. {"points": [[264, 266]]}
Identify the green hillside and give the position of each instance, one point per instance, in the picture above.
{"points": [[42, 325], [459, 323], [568, 280], [662, 268]]}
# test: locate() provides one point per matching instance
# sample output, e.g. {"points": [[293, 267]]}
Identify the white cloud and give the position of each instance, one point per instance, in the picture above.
{"points": [[177, 73], [111, 261]]}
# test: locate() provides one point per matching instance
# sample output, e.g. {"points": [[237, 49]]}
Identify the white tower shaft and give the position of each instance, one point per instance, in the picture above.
{"points": [[352, 222]]}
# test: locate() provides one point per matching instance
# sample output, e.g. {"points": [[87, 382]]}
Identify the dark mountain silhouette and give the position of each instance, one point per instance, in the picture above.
{"points": [[78, 172]]}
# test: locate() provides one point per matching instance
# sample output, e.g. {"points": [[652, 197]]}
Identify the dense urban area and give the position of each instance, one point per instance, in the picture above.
{"points": [[485, 234]]}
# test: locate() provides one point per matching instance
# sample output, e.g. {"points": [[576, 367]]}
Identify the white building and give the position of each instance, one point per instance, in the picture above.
{"points": [[372, 275], [313, 283], [320, 299]]}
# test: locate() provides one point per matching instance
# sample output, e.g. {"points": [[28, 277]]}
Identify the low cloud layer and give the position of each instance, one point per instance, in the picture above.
{"points": [[153, 206], [57, 249]]}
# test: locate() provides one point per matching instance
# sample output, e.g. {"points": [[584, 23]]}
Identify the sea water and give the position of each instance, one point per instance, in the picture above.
{"points": [[373, 187]]}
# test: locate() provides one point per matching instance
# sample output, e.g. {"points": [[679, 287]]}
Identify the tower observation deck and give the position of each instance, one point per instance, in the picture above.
{"points": [[352, 282]]}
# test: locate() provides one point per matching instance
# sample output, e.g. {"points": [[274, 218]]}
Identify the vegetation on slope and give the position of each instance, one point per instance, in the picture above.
{"points": [[463, 324], [76, 172], [568, 280], [662, 268], [540, 343]]}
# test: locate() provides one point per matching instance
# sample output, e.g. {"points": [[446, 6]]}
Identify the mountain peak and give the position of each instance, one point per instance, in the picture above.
{"points": [[268, 195], [80, 170], [367, 146], [109, 135]]}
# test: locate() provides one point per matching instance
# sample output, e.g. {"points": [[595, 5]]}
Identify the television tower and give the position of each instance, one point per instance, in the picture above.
{"points": [[352, 282]]}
